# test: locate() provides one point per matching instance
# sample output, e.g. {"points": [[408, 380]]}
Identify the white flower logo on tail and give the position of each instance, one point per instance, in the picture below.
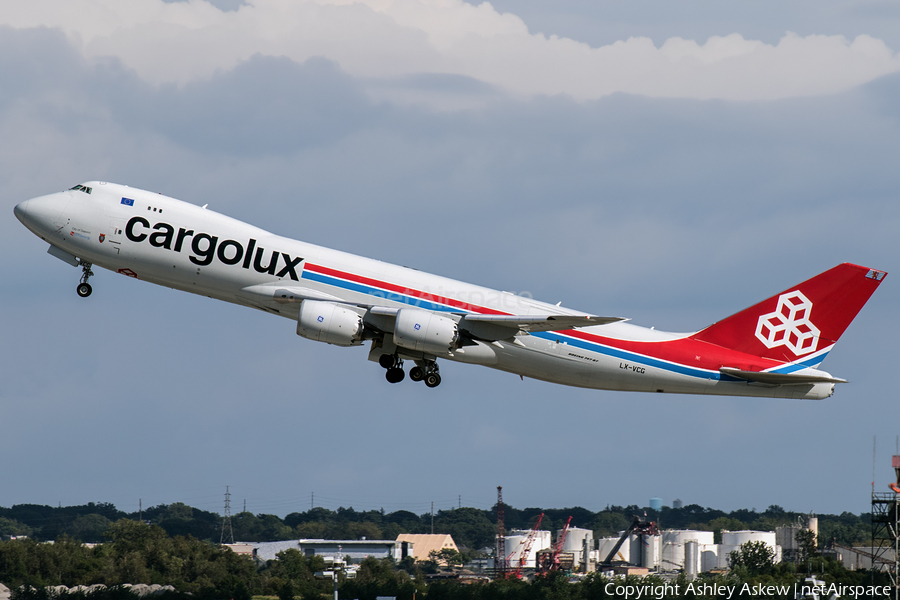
{"points": [[789, 325]]}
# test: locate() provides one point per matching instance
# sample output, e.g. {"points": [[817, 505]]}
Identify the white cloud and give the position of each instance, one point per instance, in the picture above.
{"points": [[183, 41]]}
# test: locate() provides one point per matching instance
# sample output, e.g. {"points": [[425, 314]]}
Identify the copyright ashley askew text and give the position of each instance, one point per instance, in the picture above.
{"points": [[747, 590]]}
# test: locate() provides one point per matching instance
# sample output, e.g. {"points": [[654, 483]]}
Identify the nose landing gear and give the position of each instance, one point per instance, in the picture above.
{"points": [[84, 289]]}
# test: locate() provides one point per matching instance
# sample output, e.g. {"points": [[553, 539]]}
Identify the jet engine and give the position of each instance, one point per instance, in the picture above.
{"points": [[329, 322], [425, 331]]}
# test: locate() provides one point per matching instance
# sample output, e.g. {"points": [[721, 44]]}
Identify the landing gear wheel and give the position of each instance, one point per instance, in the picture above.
{"points": [[417, 374], [432, 380], [394, 375], [84, 288], [386, 360]]}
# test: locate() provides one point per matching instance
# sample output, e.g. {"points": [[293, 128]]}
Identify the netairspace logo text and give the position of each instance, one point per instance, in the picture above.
{"points": [[657, 592]]}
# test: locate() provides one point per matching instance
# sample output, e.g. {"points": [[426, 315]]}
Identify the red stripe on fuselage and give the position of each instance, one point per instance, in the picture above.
{"points": [[399, 289], [686, 351]]}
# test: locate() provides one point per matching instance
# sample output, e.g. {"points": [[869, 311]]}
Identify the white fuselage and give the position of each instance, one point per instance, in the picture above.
{"points": [[182, 246]]}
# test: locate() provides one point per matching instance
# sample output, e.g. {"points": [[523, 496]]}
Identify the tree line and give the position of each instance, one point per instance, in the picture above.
{"points": [[135, 552], [471, 528]]}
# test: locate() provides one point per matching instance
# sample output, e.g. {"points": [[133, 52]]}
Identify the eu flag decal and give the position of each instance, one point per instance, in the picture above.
{"points": [[127, 201]]}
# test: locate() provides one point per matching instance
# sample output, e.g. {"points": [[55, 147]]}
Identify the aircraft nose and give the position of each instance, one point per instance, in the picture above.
{"points": [[21, 211], [39, 214]]}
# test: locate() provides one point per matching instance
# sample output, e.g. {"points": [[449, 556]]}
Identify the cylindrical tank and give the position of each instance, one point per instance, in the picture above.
{"points": [[724, 557], [605, 546], [736, 538], [644, 550], [586, 552], [691, 559], [709, 557], [656, 503], [650, 558], [575, 538], [673, 541], [814, 527], [575, 541], [515, 545]]}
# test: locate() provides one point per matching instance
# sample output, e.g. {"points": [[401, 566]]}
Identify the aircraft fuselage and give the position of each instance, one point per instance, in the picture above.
{"points": [[175, 244]]}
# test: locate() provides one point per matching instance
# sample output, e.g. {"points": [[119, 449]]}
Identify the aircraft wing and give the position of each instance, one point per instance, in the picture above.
{"points": [[541, 322], [485, 327], [782, 378], [502, 327]]}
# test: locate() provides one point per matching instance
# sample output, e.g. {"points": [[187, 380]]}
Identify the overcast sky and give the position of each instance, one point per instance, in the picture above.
{"points": [[668, 162]]}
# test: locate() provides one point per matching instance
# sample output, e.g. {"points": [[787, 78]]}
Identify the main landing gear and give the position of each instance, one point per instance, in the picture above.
{"points": [[84, 289], [426, 370], [394, 366]]}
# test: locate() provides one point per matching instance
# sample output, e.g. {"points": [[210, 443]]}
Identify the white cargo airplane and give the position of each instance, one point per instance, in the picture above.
{"points": [[771, 349]]}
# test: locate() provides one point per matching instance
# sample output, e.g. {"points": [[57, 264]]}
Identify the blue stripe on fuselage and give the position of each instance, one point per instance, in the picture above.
{"points": [[634, 357], [376, 292], [553, 336]]}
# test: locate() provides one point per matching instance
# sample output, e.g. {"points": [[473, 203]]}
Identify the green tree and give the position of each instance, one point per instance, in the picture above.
{"points": [[446, 557], [806, 540], [90, 528], [757, 558], [469, 527], [11, 527], [608, 523]]}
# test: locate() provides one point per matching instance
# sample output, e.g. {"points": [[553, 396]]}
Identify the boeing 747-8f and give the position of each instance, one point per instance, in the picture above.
{"points": [[771, 349]]}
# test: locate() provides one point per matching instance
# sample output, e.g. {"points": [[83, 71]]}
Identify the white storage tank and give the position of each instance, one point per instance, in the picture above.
{"points": [[575, 541], [709, 557], [575, 538], [644, 550], [736, 538], [691, 558], [605, 546], [651, 551], [673, 541], [515, 545], [724, 558], [733, 540]]}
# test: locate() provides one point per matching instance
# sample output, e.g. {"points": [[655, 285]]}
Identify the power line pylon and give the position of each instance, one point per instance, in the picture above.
{"points": [[227, 532], [500, 564], [886, 531]]}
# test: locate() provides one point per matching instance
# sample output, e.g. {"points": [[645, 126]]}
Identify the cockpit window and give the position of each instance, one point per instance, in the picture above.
{"points": [[82, 188]]}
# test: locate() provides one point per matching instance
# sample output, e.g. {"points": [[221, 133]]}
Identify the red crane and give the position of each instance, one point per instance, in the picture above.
{"points": [[526, 549], [560, 543]]}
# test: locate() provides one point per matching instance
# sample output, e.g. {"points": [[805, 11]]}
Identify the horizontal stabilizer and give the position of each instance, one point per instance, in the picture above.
{"points": [[781, 378], [542, 322]]}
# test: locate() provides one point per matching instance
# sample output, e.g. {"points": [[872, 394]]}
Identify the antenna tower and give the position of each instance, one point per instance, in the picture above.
{"points": [[500, 565], [227, 532], [886, 531]]}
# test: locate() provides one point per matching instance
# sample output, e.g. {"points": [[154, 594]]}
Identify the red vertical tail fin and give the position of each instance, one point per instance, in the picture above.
{"points": [[800, 322]]}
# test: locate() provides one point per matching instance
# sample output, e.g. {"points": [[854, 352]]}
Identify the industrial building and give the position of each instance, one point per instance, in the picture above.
{"points": [[423, 544], [357, 550], [667, 551]]}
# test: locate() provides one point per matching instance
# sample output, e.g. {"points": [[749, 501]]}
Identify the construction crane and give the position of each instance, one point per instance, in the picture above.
{"points": [[526, 549], [557, 548], [638, 526]]}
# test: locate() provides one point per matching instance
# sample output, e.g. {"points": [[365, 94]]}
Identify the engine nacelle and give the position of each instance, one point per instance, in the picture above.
{"points": [[329, 322], [425, 331]]}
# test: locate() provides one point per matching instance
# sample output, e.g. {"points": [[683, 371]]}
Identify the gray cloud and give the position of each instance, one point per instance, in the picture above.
{"points": [[672, 212]]}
